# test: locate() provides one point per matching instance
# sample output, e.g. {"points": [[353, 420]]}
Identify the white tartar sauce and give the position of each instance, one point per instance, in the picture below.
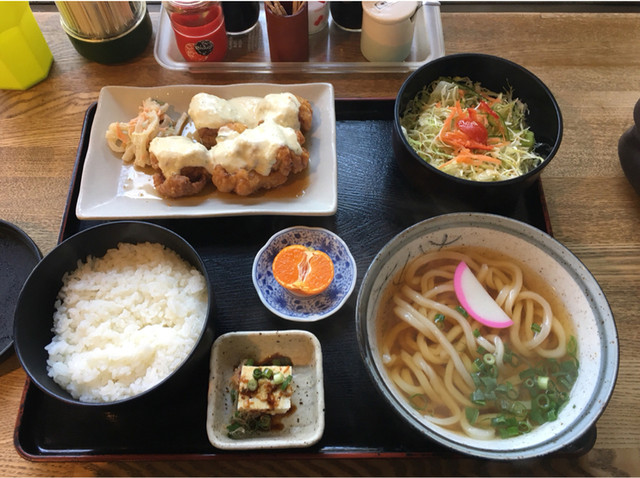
{"points": [[210, 111], [176, 152], [254, 148]]}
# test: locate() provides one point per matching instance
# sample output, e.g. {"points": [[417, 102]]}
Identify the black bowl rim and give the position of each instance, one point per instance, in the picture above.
{"points": [[479, 184], [77, 236], [23, 239]]}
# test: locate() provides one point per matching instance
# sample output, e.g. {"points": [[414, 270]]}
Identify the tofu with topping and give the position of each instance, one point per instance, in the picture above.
{"points": [[265, 395]]}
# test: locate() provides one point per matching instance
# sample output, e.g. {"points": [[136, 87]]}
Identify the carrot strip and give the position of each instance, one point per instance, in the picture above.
{"points": [[497, 142], [447, 123], [458, 108], [459, 139], [120, 134], [481, 157]]}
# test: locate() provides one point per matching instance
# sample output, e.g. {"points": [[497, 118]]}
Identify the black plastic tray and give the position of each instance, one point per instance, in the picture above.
{"points": [[374, 204]]}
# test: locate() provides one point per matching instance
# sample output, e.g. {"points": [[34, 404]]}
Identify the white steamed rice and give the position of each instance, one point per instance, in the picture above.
{"points": [[124, 322]]}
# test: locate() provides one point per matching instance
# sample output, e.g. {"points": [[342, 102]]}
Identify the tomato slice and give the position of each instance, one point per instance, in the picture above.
{"points": [[474, 130]]}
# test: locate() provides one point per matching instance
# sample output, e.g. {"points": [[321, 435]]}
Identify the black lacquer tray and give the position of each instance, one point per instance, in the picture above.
{"points": [[374, 204]]}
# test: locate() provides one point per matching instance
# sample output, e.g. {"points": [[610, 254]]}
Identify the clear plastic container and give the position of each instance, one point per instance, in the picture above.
{"points": [[332, 50]]}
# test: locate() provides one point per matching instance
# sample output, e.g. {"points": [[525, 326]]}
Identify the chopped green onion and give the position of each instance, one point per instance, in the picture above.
{"points": [[278, 378], [519, 409], [489, 359], [264, 422], [499, 421], [233, 427], [462, 311], [528, 373], [476, 333], [491, 370], [572, 346], [536, 416], [490, 383], [478, 397], [252, 384], [439, 320], [524, 426], [477, 365], [418, 401], [510, 358], [543, 402], [267, 373], [471, 414], [286, 382], [543, 383], [509, 432], [547, 383], [249, 362], [536, 327], [257, 373], [566, 383]]}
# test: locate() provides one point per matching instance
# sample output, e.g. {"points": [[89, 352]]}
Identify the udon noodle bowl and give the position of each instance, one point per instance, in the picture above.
{"points": [[478, 380], [516, 392]]}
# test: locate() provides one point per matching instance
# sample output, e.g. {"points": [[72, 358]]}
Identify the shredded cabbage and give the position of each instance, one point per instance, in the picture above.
{"points": [[431, 124]]}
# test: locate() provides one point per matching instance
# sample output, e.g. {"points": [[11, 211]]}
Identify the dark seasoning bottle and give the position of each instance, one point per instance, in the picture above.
{"points": [[629, 150]]}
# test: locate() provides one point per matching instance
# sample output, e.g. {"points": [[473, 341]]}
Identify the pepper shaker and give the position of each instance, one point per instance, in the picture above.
{"points": [[387, 29], [629, 150]]}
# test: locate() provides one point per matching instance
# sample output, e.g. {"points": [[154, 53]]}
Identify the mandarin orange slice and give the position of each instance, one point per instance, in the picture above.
{"points": [[303, 270]]}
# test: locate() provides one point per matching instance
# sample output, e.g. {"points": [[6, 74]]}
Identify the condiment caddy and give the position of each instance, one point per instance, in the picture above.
{"points": [[331, 50]]}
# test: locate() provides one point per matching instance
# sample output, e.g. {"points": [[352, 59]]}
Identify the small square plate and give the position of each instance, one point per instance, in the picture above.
{"points": [[106, 190], [305, 426]]}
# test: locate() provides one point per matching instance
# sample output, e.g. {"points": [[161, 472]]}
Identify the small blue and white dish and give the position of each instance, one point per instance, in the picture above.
{"points": [[305, 309]]}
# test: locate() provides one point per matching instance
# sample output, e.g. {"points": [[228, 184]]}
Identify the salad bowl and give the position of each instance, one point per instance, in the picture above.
{"points": [[542, 116]]}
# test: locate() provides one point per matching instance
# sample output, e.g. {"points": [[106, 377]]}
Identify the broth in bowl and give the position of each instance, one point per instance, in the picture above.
{"points": [[480, 380]]}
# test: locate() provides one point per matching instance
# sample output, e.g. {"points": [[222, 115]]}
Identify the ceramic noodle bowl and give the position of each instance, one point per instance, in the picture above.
{"points": [[586, 305]]}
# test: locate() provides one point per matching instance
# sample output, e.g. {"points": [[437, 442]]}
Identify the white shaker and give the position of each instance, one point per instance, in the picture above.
{"points": [[387, 29], [318, 16]]}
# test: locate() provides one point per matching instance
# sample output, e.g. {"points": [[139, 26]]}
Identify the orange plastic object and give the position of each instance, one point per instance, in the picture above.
{"points": [[303, 270]]}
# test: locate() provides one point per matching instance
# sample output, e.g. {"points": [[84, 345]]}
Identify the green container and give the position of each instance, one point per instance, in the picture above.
{"points": [[119, 43], [25, 58]]}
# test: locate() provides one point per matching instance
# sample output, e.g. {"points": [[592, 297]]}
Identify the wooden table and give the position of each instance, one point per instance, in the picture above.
{"points": [[591, 63]]}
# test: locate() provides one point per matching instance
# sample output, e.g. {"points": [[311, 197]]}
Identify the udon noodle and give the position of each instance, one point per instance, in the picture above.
{"points": [[463, 375]]}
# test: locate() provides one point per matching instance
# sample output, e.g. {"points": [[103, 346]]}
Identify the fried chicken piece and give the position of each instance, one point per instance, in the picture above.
{"points": [[245, 182], [208, 136], [191, 178], [305, 114], [189, 182]]}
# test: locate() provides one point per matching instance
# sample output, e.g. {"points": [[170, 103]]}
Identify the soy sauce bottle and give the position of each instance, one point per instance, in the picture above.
{"points": [[629, 150]]}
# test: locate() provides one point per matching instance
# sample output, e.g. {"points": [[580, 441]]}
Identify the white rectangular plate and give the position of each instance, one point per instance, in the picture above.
{"points": [[305, 426], [105, 191]]}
